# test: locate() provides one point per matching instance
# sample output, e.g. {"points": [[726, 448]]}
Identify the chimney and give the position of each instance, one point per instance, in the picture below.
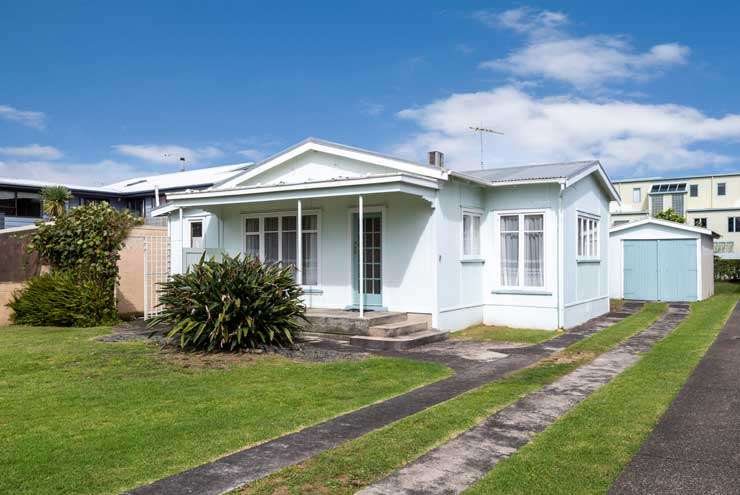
{"points": [[437, 159]]}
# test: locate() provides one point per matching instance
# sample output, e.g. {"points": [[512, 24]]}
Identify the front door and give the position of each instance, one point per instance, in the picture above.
{"points": [[372, 262]]}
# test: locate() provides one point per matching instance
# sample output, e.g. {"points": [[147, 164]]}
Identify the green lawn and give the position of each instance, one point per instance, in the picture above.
{"points": [[503, 334], [358, 463], [81, 416], [585, 451]]}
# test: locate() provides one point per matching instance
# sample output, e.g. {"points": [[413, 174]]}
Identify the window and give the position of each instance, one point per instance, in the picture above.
{"points": [[694, 190], [636, 195], [20, 204], [657, 205], [721, 189], [273, 238], [700, 222], [588, 236], [471, 234], [733, 224], [522, 250], [677, 204], [196, 234]]}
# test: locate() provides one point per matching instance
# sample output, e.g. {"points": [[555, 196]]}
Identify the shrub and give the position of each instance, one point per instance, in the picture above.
{"points": [[233, 303], [671, 216], [726, 270], [61, 298]]}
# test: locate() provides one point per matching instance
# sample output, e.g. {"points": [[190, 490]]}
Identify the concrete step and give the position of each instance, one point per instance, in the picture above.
{"points": [[348, 322], [412, 324], [398, 343]]}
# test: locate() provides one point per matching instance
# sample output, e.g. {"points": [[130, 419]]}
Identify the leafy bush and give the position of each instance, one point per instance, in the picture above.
{"points": [[233, 303], [61, 298], [671, 216], [726, 270], [85, 239]]}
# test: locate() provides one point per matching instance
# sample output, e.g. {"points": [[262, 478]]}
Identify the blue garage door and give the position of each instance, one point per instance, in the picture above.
{"points": [[662, 270]]}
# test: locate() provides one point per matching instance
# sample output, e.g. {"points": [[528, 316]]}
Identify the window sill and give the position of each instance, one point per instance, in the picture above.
{"points": [[312, 290], [588, 260], [472, 260], [523, 292]]}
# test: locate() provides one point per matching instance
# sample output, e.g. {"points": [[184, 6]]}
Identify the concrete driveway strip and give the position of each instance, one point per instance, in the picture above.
{"points": [[466, 459], [695, 448], [238, 469]]}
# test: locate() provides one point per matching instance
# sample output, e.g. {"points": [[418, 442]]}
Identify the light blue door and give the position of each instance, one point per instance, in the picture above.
{"points": [[677, 270], [640, 270], [372, 230], [660, 270]]}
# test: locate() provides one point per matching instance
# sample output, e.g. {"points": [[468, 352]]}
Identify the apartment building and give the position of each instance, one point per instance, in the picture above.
{"points": [[710, 201]]}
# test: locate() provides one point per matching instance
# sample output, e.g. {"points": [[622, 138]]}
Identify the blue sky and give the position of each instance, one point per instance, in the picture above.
{"points": [[91, 92]]}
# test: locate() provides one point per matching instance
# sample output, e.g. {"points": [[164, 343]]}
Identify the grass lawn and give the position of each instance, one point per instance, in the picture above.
{"points": [[81, 416], [358, 463], [503, 334], [585, 451]]}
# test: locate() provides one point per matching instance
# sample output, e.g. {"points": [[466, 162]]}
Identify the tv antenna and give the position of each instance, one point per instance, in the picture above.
{"points": [[481, 130], [181, 159]]}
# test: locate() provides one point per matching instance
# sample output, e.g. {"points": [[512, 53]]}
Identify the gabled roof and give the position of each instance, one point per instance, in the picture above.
{"points": [[320, 145], [664, 223], [567, 172]]}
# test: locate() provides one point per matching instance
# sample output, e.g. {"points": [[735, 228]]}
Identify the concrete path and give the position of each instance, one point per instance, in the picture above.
{"points": [[696, 446], [461, 462], [245, 466]]}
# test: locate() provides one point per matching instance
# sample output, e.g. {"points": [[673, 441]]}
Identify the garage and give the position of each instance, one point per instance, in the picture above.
{"points": [[657, 260]]}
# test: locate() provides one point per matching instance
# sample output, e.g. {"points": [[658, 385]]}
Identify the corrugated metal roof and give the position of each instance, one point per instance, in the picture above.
{"points": [[545, 171]]}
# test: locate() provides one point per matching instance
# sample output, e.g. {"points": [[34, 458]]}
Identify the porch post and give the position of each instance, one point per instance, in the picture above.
{"points": [[360, 273], [299, 244]]}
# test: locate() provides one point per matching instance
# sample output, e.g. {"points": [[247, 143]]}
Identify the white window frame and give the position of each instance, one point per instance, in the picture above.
{"points": [[191, 220], [638, 195], [280, 214], [585, 251], [472, 213], [521, 288]]}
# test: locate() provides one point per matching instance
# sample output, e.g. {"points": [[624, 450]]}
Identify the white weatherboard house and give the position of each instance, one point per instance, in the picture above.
{"points": [[523, 246]]}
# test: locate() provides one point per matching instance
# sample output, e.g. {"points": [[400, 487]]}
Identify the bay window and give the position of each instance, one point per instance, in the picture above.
{"points": [[471, 234], [522, 242], [588, 237], [273, 239]]}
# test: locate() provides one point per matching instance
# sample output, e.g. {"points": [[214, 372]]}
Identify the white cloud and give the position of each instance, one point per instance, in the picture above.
{"points": [[168, 153], [32, 151], [561, 128], [586, 62], [36, 120], [85, 174], [372, 109], [252, 154]]}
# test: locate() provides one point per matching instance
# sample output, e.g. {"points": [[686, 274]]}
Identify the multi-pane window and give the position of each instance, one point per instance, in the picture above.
{"points": [[471, 234], [196, 234], [677, 204], [700, 222], [522, 238], [733, 224], [636, 195], [694, 190], [20, 204], [656, 205], [721, 189], [588, 236], [273, 238]]}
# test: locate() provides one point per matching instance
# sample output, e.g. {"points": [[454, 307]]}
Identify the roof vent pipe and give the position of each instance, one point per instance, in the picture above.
{"points": [[437, 159]]}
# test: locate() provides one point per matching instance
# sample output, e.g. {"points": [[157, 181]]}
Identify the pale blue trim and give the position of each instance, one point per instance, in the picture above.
{"points": [[523, 292]]}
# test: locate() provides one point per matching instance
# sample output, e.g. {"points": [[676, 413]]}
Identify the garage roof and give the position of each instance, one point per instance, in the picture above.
{"points": [[664, 223]]}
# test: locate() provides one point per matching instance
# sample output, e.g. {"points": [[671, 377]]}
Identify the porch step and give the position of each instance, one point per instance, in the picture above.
{"points": [[348, 322], [412, 324], [398, 343]]}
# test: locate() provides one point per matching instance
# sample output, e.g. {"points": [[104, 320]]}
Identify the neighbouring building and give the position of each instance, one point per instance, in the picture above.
{"points": [[521, 246], [707, 201], [20, 199]]}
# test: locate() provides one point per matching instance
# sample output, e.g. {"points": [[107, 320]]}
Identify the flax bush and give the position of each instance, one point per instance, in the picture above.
{"points": [[232, 303]]}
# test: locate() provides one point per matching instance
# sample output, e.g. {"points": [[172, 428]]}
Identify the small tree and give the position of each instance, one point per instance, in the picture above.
{"points": [[55, 200], [671, 216]]}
